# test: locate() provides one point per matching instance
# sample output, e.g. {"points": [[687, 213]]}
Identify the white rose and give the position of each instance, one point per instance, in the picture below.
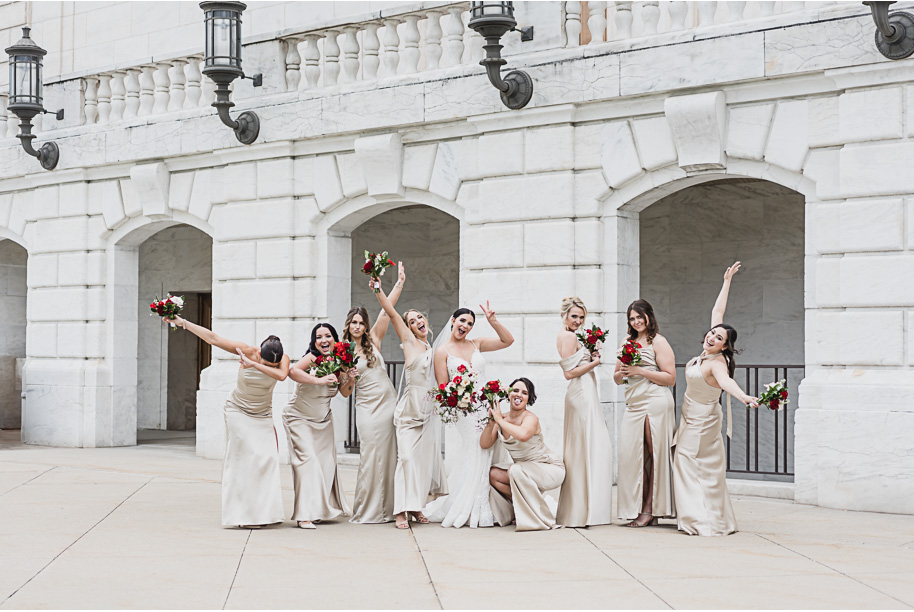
{"points": [[177, 301]]}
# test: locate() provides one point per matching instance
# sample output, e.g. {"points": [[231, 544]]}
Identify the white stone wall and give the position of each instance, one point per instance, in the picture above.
{"points": [[12, 331]]}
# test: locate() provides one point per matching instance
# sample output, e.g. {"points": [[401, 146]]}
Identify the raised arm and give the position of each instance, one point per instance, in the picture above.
{"points": [[720, 306], [379, 329], [213, 339], [504, 339], [280, 373], [399, 326], [722, 376]]}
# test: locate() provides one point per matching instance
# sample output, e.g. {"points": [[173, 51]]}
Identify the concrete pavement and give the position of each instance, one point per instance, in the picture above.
{"points": [[139, 527]]}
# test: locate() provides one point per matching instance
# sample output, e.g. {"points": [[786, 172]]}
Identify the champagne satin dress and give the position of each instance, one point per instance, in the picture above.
{"points": [[535, 470], [312, 452], [420, 475], [251, 493], [699, 460], [586, 497], [375, 404], [646, 400]]}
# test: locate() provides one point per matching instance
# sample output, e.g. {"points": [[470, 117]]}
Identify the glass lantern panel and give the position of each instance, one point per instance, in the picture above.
{"points": [[223, 41], [22, 82]]}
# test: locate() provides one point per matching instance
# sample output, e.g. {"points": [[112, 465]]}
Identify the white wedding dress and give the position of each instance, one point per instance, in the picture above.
{"points": [[468, 483]]}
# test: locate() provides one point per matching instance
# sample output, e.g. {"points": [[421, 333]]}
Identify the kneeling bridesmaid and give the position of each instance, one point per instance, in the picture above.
{"points": [[518, 492]]}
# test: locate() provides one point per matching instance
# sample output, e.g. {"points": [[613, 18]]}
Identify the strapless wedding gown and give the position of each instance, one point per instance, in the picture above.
{"points": [[468, 483]]}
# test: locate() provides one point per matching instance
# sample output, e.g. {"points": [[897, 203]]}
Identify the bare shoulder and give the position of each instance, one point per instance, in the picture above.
{"points": [[661, 342]]}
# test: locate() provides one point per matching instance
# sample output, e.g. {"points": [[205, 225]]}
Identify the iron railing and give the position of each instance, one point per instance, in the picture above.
{"points": [[394, 368]]}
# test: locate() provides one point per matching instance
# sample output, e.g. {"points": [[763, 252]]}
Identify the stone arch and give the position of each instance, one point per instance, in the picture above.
{"points": [[8, 234]]}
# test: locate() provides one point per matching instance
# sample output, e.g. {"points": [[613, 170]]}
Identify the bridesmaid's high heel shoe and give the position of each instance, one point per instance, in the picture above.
{"points": [[419, 518], [306, 525], [651, 521]]}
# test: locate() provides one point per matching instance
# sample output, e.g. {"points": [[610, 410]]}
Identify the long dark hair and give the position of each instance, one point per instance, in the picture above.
{"points": [[463, 311], [271, 349], [365, 343], [730, 349], [312, 348], [643, 308], [531, 390]]}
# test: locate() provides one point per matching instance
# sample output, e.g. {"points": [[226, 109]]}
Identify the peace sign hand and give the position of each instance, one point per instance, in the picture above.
{"points": [[489, 312], [401, 272]]}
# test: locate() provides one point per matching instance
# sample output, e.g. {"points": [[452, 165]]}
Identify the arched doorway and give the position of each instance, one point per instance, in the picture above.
{"points": [[686, 241], [13, 290]]}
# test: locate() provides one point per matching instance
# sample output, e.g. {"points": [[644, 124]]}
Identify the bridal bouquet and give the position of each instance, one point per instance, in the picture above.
{"points": [[168, 308], [629, 355], [592, 338], [494, 391], [374, 266], [458, 396], [340, 359], [775, 395]]}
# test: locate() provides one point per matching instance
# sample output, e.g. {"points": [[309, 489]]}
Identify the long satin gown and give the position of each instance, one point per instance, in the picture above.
{"points": [[312, 452], [419, 476], [644, 399], [699, 460], [535, 470], [375, 404], [586, 497], [251, 493]]}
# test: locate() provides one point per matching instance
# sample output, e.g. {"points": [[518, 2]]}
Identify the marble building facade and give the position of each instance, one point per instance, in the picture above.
{"points": [[663, 141]]}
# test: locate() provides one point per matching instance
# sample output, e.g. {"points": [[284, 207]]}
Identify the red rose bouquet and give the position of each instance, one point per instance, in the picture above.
{"points": [[775, 395], [629, 355], [494, 391], [340, 359], [168, 308], [458, 396], [374, 266], [592, 338]]}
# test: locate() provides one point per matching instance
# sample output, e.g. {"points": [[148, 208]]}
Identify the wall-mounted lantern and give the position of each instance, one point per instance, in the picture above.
{"points": [[25, 97], [222, 63], [492, 20], [894, 32]]}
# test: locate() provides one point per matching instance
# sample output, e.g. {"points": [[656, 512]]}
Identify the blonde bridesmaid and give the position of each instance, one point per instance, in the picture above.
{"points": [[251, 493], [309, 425], [375, 403], [518, 492], [699, 461], [645, 486], [586, 497], [420, 475]]}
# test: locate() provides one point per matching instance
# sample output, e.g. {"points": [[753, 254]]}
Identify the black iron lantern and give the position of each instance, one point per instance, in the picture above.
{"points": [[492, 20], [222, 64], [894, 33], [25, 96]]}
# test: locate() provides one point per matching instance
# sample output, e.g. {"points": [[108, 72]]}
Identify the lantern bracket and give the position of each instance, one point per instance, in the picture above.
{"points": [[894, 31]]}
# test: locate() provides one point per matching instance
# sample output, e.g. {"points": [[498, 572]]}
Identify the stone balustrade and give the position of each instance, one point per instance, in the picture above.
{"points": [[589, 23]]}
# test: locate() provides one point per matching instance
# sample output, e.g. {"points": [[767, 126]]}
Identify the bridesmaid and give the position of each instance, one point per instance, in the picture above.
{"points": [[645, 487], [251, 491], [586, 497], [420, 475], [535, 470], [375, 403], [699, 461], [309, 424]]}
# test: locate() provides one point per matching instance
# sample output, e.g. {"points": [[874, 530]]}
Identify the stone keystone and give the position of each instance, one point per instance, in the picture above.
{"points": [[699, 126], [382, 162]]}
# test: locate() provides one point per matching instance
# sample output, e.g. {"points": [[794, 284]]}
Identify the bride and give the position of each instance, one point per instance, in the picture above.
{"points": [[468, 483]]}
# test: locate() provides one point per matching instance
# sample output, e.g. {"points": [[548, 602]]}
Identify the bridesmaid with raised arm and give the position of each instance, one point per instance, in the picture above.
{"points": [[420, 473], [699, 459], [518, 491], [645, 486], [251, 491], [375, 404], [309, 424], [586, 497]]}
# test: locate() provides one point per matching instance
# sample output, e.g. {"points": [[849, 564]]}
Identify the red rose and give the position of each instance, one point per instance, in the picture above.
{"points": [[319, 359], [784, 394], [774, 404], [457, 380], [452, 400], [442, 386], [367, 267], [390, 262], [461, 368]]}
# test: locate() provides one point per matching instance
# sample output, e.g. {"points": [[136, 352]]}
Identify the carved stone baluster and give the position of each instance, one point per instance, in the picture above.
{"points": [[160, 77], [473, 41], [118, 95], [391, 42], [4, 100], [573, 23], [350, 61], [623, 19], [596, 22], [678, 13], [736, 10], [312, 57], [104, 98], [293, 64], [91, 100], [453, 48], [147, 90], [132, 87], [433, 40], [706, 12], [370, 46], [650, 16], [176, 90], [194, 77], [411, 44], [331, 58], [766, 8]]}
